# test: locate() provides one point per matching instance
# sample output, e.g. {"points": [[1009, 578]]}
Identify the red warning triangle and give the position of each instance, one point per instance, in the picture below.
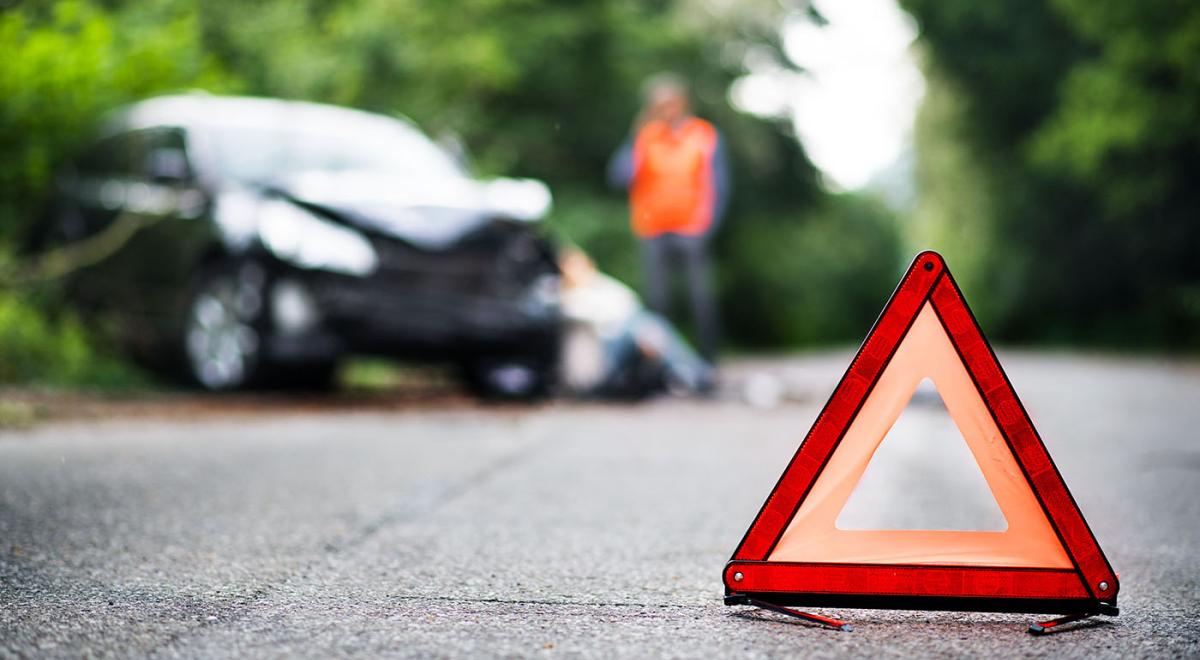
{"points": [[1045, 560]]}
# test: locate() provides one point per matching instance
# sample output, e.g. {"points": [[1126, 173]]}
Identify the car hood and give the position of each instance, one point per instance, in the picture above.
{"points": [[430, 214]]}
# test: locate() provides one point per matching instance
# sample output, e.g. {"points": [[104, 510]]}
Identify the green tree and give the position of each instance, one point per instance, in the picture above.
{"points": [[64, 66], [1078, 222]]}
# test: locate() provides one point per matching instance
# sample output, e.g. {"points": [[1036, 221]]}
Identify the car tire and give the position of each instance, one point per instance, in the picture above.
{"points": [[223, 328]]}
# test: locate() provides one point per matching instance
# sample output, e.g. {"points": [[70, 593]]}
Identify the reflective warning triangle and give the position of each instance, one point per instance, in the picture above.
{"points": [[1045, 560]]}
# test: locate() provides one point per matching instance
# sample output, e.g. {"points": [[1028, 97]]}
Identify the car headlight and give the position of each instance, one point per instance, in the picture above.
{"points": [[542, 295], [303, 239], [521, 199]]}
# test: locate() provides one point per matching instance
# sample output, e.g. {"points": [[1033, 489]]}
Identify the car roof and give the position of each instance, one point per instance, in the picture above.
{"points": [[191, 111]]}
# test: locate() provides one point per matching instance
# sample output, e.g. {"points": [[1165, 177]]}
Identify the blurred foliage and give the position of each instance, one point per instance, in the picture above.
{"points": [[64, 64], [530, 87], [955, 209], [1059, 165], [54, 349], [822, 279]]}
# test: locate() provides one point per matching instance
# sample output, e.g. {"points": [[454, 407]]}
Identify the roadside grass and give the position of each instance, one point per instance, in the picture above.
{"points": [[43, 347], [16, 414], [370, 374]]}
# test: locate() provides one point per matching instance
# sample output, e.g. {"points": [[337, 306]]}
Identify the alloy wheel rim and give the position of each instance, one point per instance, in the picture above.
{"points": [[221, 344]]}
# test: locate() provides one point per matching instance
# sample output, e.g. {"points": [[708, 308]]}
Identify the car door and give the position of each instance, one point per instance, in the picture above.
{"points": [[137, 191], [90, 197]]}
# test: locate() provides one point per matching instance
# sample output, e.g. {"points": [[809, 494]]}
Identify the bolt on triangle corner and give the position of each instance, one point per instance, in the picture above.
{"points": [[1046, 561]]}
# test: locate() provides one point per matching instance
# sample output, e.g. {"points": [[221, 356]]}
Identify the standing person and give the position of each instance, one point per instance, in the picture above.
{"points": [[675, 169]]}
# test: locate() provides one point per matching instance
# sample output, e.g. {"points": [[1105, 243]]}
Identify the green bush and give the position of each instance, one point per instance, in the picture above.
{"points": [[816, 277], [64, 65], [53, 349], [1057, 164]]}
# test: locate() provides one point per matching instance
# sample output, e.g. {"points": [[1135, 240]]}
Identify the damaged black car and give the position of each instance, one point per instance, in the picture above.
{"points": [[262, 241]]}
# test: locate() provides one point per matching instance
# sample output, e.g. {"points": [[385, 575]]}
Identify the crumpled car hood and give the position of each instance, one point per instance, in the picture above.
{"points": [[430, 214]]}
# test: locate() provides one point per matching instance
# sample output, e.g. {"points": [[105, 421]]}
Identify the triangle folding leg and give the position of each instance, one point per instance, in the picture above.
{"points": [[1047, 561]]}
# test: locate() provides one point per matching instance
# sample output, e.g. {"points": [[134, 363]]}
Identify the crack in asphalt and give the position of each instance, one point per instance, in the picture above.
{"points": [[405, 512], [434, 499], [521, 601]]}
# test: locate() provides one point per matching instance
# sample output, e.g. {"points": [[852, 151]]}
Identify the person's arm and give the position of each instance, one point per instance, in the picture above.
{"points": [[722, 184], [621, 166]]}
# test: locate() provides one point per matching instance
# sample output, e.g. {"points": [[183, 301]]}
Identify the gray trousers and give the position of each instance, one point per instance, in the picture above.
{"points": [[661, 256]]}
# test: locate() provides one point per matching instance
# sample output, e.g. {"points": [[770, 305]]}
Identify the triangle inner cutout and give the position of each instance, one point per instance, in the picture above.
{"points": [[923, 477], [925, 353]]}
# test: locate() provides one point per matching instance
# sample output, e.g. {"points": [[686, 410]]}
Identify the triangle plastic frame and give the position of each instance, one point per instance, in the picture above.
{"points": [[1090, 586]]}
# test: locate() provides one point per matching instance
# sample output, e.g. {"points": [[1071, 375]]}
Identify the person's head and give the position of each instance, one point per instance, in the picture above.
{"points": [[666, 97]]}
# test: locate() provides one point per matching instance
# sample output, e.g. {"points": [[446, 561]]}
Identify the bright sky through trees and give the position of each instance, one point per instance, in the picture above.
{"points": [[854, 103]]}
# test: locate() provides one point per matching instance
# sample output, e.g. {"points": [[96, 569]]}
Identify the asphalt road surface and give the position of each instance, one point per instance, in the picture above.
{"points": [[566, 530]]}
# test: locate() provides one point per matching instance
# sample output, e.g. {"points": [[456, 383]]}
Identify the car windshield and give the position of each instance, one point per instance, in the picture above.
{"points": [[380, 145]]}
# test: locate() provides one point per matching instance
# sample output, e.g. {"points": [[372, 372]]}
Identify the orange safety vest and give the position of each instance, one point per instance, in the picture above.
{"points": [[672, 190]]}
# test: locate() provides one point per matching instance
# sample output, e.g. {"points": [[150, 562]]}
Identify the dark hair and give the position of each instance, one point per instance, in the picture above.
{"points": [[664, 81]]}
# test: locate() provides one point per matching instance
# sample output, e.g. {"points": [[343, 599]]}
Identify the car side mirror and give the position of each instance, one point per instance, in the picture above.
{"points": [[168, 165]]}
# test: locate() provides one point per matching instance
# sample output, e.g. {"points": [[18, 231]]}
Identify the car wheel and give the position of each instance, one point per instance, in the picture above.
{"points": [[222, 336]]}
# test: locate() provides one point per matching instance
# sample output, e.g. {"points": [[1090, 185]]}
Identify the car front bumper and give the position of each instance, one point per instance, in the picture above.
{"points": [[362, 316]]}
